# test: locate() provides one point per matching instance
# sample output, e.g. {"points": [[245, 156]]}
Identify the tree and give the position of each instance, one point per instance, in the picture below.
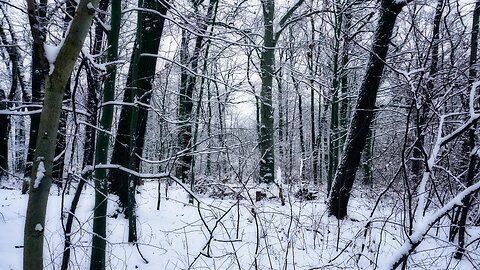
{"points": [[472, 151], [421, 113], [267, 63], [187, 89], [38, 86], [7, 101], [97, 259], [4, 130], [61, 144], [364, 111], [57, 71], [333, 148], [139, 86], [89, 144]]}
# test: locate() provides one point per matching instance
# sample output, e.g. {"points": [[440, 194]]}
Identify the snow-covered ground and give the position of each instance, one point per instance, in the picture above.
{"points": [[231, 234]]}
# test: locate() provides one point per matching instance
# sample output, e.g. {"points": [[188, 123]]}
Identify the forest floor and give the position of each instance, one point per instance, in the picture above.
{"points": [[240, 234]]}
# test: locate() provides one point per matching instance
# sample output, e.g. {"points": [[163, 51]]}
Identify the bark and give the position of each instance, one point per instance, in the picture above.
{"points": [[301, 133], [344, 100], [97, 259], [267, 63], [364, 111], [43, 159], [300, 127], [281, 116]]}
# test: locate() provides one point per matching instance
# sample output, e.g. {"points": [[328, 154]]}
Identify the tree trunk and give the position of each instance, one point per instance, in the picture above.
{"points": [[97, 259], [368, 155], [267, 62], [363, 114], [333, 147], [187, 88], [151, 33], [59, 163], [93, 84], [38, 87], [313, 73], [344, 100], [93, 88], [301, 133], [421, 113], [472, 165], [4, 134], [43, 159]]}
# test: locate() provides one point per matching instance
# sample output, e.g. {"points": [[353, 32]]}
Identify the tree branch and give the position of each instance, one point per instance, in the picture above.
{"points": [[285, 17]]}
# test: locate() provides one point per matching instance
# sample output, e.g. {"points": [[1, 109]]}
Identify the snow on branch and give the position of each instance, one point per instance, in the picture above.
{"points": [[441, 141], [422, 228], [423, 224]]}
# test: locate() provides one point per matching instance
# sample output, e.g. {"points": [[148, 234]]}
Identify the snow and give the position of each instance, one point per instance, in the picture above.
{"points": [[38, 227], [421, 228], [40, 175], [299, 235], [87, 169], [51, 53], [91, 59], [278, 177]]}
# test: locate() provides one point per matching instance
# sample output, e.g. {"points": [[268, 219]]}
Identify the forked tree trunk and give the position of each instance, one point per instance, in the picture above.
{"points": [[55, 82], [267, 63], [364, 111], [151, 33]]}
